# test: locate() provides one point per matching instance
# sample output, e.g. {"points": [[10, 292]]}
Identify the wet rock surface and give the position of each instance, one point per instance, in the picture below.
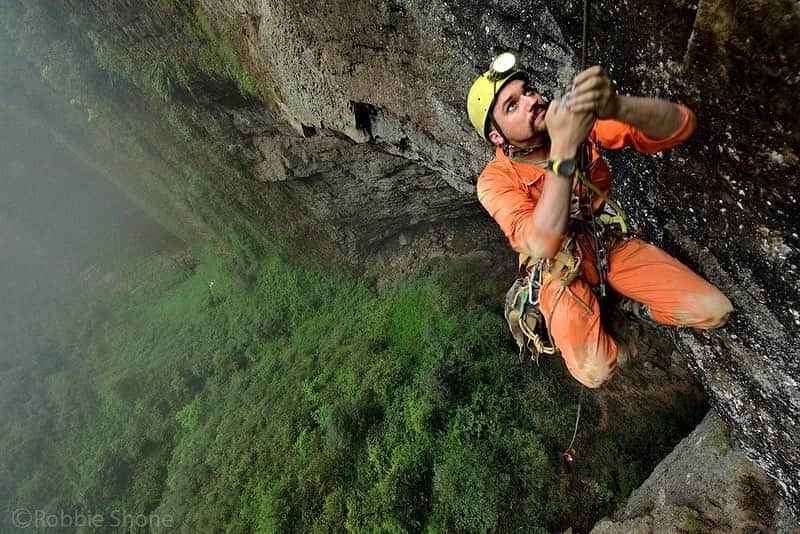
{"points": [[705, 485]]}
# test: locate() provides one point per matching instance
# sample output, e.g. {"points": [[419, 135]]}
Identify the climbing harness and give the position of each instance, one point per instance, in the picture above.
{"points": [[605, 228], [525, 319], [522, 301]]}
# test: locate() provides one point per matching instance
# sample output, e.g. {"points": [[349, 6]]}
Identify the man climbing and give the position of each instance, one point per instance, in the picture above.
{"points": [[558, 218]]}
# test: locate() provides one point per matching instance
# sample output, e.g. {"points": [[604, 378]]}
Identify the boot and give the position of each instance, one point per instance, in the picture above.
{"points": [[637, 310]]}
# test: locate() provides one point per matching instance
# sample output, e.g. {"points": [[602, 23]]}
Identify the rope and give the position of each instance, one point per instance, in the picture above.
{"points": [[577, 418], [584, 34], [585, 162]]}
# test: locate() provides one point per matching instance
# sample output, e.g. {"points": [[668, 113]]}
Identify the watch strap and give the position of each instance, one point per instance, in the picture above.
{"points": [[557, 165]]}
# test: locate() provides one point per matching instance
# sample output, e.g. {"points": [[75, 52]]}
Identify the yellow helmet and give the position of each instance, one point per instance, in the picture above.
{"points": [[483, 92]]}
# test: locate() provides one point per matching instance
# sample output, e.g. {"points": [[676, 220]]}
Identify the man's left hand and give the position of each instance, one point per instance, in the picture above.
{"points": [[592, 91]]}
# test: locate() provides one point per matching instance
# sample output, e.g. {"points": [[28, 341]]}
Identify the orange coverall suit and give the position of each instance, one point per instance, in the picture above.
{"points": [[509, 190]]}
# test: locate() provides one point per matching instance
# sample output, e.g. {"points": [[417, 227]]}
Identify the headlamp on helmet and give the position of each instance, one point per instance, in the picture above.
{"points": [[501, 66], [483, 92]]}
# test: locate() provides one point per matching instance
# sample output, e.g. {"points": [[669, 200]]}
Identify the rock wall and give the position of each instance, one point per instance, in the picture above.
{"points": [[705, 485], [360, 123]]}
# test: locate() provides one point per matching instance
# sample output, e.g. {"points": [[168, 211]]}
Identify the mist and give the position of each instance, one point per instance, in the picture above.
{"points": [[63, 226]]}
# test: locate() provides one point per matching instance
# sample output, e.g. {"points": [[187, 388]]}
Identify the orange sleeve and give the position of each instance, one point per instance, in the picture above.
{"points": [[615, 134], [511, 204]]}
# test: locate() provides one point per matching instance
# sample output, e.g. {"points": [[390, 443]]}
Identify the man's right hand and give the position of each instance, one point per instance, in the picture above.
{"points": [[567, 130]]}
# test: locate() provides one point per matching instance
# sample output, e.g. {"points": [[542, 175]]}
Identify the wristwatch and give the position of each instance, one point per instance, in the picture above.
{"points": [[563, 167]]}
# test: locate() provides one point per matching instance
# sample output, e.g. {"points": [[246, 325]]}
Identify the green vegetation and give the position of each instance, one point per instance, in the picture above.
{"points": [[295, 398], [693, 523], [196, 51], [90, 52], [721, 442], [191, 48]]}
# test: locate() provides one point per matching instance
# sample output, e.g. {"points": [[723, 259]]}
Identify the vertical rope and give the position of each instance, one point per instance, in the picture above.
{"points": [[584, 163], [577, 418], [584, 33], [583, 159]]}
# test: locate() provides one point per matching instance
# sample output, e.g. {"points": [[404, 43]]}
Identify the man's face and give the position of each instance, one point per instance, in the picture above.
{"points": [[519, 111]]}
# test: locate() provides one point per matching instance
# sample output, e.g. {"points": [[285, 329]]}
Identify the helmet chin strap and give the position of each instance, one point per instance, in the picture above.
{"points": [[507, 146], [529, 150]]}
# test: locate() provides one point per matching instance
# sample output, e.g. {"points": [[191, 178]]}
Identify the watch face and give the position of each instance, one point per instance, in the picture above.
{"points": [[567, 168]]}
